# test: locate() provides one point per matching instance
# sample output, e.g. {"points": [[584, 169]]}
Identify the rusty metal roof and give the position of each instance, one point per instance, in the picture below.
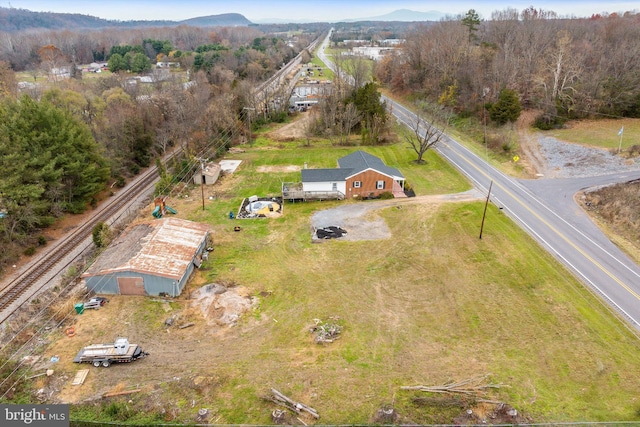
{"points": [[162, 247]]}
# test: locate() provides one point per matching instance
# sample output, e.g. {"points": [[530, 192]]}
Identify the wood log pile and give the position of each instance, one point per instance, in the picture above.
{"points": [[474, 386]]}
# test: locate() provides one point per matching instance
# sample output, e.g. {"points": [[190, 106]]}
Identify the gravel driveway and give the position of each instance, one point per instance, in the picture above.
{"points": [[565, 160], [361, 221]]}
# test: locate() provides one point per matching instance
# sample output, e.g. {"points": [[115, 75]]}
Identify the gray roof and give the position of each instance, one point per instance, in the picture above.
{"points": [[360, 161], [325, 175]]}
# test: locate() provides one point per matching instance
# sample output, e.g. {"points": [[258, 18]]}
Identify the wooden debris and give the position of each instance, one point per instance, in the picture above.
{"points": [[326, 332], [279, 416], [187, 325], [292, 405], [36, 376], [121, 393], [81, 375], [471, 386]]}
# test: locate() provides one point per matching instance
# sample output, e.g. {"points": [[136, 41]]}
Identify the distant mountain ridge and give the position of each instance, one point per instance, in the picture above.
{"points": [[400, 15], [405, 15], [13, 20]]}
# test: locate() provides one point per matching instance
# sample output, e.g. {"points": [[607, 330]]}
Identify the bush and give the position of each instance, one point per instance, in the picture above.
{"points": [[119, 411], [120, 181], [386, 195], [634, 151], [101, 234], [30, 251], [548, 122], [42, 241]]}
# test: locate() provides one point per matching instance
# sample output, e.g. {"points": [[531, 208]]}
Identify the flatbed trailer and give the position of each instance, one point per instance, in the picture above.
{"points": [[105, 354]]}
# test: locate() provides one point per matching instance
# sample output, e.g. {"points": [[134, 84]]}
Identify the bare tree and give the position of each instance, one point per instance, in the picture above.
{"points": [[7, 81], [51, 59], [357, 66], [348, 117], [425, 135], [562, 73], [310, 126]]}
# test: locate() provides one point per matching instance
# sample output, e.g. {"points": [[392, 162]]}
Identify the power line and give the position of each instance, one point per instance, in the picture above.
{"points": [[223, 138], [226, 136]]}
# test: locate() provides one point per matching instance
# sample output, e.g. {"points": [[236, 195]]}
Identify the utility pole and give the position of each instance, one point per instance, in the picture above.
{"points": [[201, 160], [249, 110], [485, 209]]}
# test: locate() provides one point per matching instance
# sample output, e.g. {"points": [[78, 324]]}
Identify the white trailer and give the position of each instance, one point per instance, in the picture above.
{"points": [[105, 354]]}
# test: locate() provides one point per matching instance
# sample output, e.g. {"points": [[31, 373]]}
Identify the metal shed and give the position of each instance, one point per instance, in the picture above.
{"points": [[151, 258]]}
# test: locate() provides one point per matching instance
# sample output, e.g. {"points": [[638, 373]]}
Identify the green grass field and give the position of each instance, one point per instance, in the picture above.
{"points": [[601, 133], [430, 305]]}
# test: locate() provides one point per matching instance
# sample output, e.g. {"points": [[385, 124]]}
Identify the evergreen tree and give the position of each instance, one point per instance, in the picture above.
{"points": [[49, 164], [117, 63], [471, 20], [374, 112], [140, 63], [507, 108]]}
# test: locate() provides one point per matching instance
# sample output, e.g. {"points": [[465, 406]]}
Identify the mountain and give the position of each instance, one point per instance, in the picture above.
{"points": [[13, 20], [405, 15], [223, 20], [401, 15]]}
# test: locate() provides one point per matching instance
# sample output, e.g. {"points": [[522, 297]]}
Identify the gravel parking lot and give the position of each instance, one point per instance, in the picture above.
{"points": [[564, 160], [362, 222]]}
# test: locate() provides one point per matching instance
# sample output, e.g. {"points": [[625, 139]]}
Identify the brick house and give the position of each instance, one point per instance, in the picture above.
{"points": [[359, 174]]}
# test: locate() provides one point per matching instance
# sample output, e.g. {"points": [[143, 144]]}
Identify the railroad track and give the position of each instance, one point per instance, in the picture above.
{"points": [[26, 282]]}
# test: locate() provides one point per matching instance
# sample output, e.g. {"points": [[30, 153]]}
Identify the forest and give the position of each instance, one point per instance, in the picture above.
{"points": [[564, 68], [67, 137]]}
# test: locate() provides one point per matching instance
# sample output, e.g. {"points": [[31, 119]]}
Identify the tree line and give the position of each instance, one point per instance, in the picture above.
{"points": [[565, 68], [65, 141]]}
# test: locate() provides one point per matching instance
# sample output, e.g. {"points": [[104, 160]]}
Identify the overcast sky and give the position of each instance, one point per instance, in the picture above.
{"points": [[307, 11]]}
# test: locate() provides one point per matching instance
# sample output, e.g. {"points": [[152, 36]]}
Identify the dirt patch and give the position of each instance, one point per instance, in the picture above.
{"points": [[221, 306], [617, 209], [296, 129], [533, 162], [283, 169]]}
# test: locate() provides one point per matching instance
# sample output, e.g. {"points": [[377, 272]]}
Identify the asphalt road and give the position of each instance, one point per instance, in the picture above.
{"points": [[546, 209]]}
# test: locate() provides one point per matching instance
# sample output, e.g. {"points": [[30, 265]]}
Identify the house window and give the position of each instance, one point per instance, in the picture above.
{"points": [[334, 186], [380, 185], [357, 184]]}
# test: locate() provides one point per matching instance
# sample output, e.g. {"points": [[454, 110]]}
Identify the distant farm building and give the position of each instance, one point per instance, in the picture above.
{"points": [[151, 258]]}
